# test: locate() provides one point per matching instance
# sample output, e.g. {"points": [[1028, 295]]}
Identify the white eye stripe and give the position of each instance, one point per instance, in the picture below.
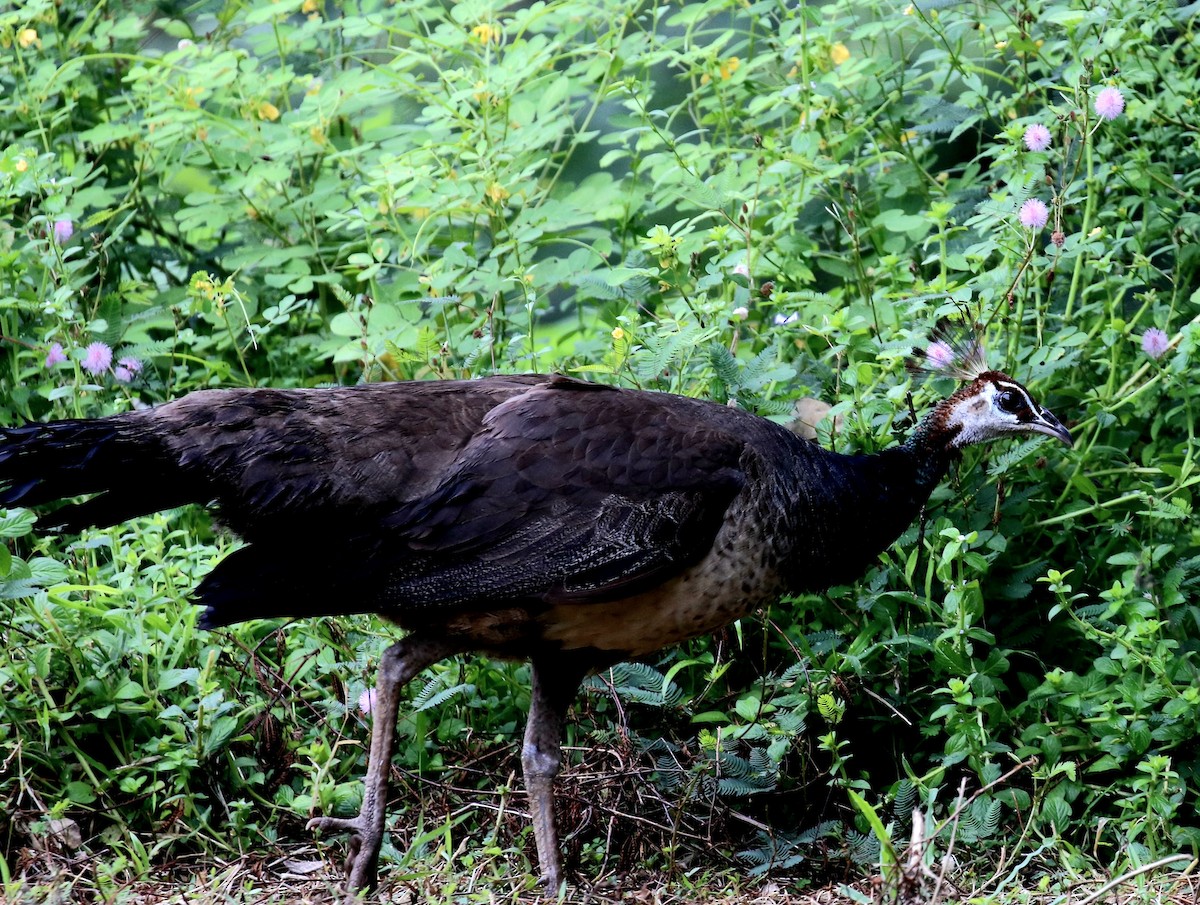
{"points": [[1010, 387]]}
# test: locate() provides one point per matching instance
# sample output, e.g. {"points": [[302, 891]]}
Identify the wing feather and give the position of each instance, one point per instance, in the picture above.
{"points": [[565, 490]]}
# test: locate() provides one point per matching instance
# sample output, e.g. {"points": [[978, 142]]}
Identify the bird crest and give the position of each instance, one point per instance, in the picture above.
{"points": [[953, 351]]}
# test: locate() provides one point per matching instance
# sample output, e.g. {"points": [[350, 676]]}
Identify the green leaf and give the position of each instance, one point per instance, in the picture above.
{"points": [[17, 522], [748, 708], [218, 734], [888, 853], [80, 793]]}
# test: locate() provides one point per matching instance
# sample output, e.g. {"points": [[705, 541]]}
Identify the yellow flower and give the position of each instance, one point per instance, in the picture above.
{"points": [[314, 87], [909, 10], [729, 67], [267, 110], [27, 37], [618, 334], [482, 96], [497, 192], [1000, 45], [486, 33], [310, 6], [21, 165], [317, 134], [839, 53]]}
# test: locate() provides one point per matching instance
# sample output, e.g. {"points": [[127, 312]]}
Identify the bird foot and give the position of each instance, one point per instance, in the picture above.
{"points": [[550, 884], [337, 824], [362, 852]]}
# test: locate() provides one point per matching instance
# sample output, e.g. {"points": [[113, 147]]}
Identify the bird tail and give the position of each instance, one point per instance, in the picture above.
{"points": [[125, 466]]}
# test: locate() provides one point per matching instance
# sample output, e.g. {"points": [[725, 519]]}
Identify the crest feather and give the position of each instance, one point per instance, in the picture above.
{"points": [[953, 351]]}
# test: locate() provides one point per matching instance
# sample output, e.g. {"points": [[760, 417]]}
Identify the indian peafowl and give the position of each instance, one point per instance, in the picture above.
{"points": [[539, 517]]}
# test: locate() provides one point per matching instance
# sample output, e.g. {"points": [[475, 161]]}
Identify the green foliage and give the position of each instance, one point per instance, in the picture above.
{"points": [[751, 202]]}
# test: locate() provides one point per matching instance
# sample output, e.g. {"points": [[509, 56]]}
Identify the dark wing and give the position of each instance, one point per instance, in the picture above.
{"points": [[566, 490], [278, 462], [283, 462]]}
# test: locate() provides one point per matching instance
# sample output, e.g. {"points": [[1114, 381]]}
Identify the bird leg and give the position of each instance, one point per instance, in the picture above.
{"points": [[554, 685], [399, 664]]}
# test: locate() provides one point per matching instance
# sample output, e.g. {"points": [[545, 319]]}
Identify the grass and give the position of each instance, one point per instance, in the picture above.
{"points": [[298, 874], [615, 822]]}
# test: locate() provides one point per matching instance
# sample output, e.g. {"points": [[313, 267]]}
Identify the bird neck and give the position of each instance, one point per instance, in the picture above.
{"points": [[930, 448], [846, 509]]}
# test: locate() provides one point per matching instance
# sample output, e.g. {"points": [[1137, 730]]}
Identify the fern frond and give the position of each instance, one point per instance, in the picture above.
{"points": [[906, 797], [431, 696]]}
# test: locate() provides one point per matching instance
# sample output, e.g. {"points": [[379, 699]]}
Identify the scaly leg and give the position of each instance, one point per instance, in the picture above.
{"points": [[554, 685], [399, 664]]}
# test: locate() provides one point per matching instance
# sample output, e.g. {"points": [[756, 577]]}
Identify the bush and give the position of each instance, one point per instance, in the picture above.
{"points": [[743, 201]]}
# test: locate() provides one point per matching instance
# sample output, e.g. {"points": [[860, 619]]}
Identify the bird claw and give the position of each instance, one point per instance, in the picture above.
{"points": [[361, 859], [338, 824]]}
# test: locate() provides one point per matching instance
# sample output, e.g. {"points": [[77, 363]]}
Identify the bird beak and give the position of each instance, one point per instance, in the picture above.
{"points": [[1047, 424]]}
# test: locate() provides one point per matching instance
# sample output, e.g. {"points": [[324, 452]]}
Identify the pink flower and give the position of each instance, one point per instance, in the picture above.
{"points": [[63, 230], [939, 355], [1033, 214], [97, 358], [742, 270], [1109, 103], [740, 313], [366, 701], [1037, 137], [1155, 343], [55, 356], [132, 365]]}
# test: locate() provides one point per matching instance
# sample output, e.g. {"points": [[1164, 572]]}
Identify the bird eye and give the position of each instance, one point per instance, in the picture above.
{"points": [[1008, 401]]}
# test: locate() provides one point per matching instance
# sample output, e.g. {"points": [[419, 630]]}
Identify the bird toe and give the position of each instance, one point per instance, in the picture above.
{"points": [[337, 824]]}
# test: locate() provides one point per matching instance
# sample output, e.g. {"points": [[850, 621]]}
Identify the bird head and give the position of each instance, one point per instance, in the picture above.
{"points": [[992, 406], [989, 406]]}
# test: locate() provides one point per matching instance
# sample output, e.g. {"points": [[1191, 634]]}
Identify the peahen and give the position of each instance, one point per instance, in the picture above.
{"points": [[539, 517]]}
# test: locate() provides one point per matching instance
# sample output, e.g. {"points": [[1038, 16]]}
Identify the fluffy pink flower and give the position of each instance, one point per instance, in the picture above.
{"points": [[1037, 137], [1033, 214], [126, 368], [1155, 342], [366, 701], [63, 230], [939, 355], [97, 358], [55, 356], [1109, 103]]}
